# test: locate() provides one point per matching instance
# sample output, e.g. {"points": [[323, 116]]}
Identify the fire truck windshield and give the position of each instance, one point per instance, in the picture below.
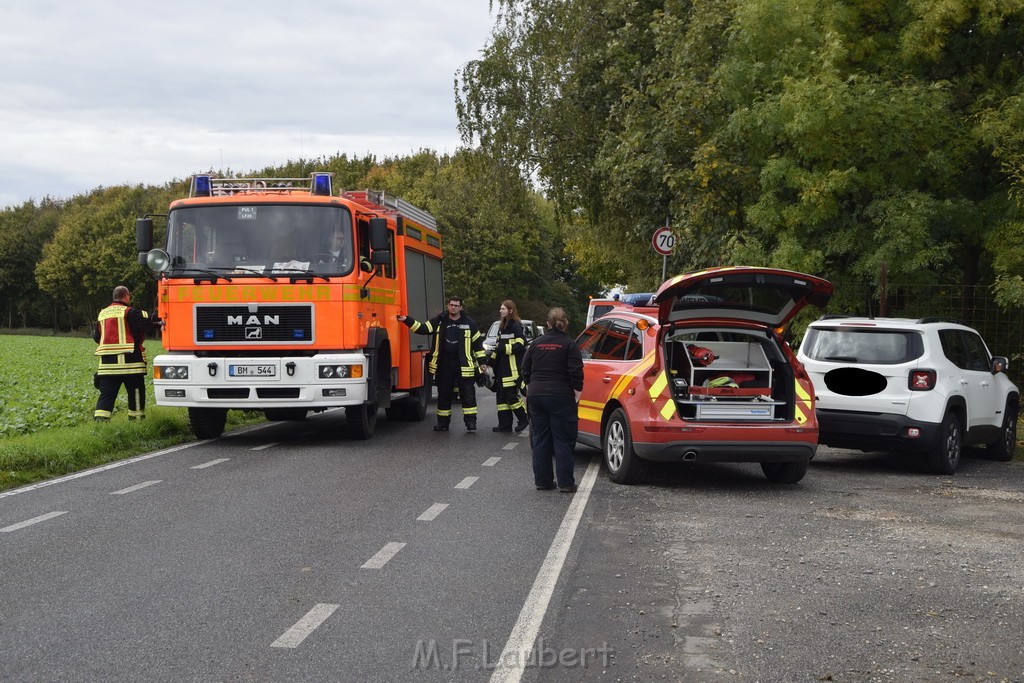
{"points": [[256, 239]]}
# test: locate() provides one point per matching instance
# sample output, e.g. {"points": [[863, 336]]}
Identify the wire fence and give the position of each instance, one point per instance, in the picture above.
{"points": [[1001, 328]]}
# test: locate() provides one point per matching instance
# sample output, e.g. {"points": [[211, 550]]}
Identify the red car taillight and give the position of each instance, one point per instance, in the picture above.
{"points": [[921, 380]]}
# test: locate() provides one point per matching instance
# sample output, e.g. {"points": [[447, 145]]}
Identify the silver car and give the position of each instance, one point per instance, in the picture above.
{"points": [[530, 331]]}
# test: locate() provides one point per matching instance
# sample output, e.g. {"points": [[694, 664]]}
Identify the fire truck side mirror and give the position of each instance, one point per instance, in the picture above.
{"points": [[143, 234], [380, 257], [379, 234]]}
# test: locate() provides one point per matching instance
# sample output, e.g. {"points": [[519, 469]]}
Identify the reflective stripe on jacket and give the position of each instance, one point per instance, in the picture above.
{"points": [[120, 331], [508, 353], [115, 334], [471, 350]]}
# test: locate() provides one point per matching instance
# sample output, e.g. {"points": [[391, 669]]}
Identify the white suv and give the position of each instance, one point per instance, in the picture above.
{"points": [[893, 384]]}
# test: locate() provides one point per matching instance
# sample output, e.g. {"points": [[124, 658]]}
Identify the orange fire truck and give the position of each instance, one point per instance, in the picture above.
{"points": [[279, 295]]}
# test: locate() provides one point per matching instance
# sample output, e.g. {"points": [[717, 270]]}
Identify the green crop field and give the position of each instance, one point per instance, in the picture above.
{"points": [[46, 382], [46, 404]]}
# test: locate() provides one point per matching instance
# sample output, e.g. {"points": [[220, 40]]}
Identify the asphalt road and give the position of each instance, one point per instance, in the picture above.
{"points": [[290, 553]]}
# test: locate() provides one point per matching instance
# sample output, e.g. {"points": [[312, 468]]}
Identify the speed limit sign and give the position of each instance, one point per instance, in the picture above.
{"points": [[663, 241]]}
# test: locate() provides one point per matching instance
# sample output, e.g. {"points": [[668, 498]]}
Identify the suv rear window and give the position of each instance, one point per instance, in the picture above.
{"points": [[860, 345]]}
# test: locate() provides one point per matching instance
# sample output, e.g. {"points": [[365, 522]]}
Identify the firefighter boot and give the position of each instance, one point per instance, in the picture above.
{"points": [[471, 424], [504, 421], [523, 420], [441, 426]]}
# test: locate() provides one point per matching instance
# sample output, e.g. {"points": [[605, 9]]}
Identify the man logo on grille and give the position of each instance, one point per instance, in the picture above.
{"points": [[254, 333]]}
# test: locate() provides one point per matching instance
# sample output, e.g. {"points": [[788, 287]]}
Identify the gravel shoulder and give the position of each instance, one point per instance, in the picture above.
{"points": [[868, 570]]}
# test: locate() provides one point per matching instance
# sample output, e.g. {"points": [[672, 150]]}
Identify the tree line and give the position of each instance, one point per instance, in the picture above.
{"points": [[877, 141], [60, 259], [846, 138]]}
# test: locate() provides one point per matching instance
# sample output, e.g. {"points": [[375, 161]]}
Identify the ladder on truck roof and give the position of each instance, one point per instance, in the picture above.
{"points": [[374, 198]]}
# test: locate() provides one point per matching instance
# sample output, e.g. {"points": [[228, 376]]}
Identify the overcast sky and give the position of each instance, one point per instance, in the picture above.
{"points": [[107, 92]]}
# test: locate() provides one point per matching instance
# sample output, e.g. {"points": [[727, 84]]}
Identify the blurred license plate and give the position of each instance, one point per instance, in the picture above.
{"points": [[252, 370]]}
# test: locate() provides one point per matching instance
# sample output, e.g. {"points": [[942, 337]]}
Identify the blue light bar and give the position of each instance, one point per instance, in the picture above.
{"points": [[202, 186], [322, 184]]}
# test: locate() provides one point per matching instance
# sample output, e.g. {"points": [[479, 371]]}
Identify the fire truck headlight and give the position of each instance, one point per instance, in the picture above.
{"points": [[340, 371], [170, 372]]}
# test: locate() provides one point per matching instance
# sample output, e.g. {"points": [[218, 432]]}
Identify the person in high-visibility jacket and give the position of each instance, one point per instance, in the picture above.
{"points": [[455, 360], [120, 330], [506, 359]]}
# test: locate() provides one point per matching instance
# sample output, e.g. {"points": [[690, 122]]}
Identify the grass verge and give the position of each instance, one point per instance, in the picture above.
{"points": [[30, 458]]}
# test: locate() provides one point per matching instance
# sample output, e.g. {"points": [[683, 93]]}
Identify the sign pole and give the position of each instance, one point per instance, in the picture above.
{"points": [[664, 257], [663, 242]]}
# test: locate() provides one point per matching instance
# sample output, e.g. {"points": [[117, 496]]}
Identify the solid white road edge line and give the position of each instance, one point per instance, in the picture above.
{"points": [[383, 555], [304, 626], [130, 461], [34, 520], [101, 468], [512, 662]]}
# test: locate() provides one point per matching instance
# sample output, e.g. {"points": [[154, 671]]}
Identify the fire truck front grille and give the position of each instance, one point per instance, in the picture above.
{"points": [[252, 324], [227, 393], [276, 392]]}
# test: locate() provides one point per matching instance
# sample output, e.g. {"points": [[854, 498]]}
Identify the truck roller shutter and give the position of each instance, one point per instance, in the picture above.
{"points": [[424, 291]]}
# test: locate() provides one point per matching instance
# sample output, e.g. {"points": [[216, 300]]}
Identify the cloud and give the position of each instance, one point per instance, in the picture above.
{"points": [[104, 92]]}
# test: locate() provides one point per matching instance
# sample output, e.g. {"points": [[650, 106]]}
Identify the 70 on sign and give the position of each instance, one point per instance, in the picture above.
{"points": [[663, 241]]}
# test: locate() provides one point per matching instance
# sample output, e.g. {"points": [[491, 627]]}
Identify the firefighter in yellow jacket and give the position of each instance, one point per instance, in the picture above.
{"points": [[454, 362], [120, 331]]}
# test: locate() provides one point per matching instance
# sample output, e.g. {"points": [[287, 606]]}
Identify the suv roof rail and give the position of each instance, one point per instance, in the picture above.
{"points": [[833, 316], [922, 321]]}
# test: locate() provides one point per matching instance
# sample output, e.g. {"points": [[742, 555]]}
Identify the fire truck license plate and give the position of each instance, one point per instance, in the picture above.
{"points": [[252, 370]]}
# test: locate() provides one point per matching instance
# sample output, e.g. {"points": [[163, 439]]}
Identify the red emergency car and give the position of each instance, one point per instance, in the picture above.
{"points": [[703, 375]]}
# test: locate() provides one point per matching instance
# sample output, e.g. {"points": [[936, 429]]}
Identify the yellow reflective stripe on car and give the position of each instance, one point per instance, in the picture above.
{"points": [[664, 404], [803, 404], [589, 410]]}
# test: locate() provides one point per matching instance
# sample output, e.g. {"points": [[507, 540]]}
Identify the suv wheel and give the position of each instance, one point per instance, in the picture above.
{"points": [[1004, 448], [624, 465], [944, 458], [784, 472]]}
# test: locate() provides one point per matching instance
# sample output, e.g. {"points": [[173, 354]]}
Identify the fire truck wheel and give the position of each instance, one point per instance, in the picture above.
{"points": [[207, 423], [623, 464], [361, 421], [414, 408]]}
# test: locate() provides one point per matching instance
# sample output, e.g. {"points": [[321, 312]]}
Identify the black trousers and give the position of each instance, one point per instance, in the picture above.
{"points": [[509, 403], [110, 385], [446, 379]]}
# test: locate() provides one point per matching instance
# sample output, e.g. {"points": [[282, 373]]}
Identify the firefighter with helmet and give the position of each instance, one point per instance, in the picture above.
{"points": [[458, 351], [120, 330]]}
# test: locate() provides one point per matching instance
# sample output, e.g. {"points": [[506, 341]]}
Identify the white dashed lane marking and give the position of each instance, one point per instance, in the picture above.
{"points": [[132, 489], [209, 464], [383, 556], [265, 446], [466, 483], [491, 462], [432, 512], [509, 446], [34, 520], [304, 626]]}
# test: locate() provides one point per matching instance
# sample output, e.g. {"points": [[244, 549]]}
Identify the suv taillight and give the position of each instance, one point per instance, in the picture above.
{"points": [[922, 380]]}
